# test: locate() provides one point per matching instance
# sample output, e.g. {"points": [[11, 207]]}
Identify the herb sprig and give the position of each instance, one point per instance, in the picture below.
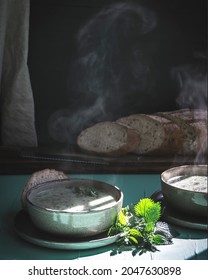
{"points": [[139, 228]]}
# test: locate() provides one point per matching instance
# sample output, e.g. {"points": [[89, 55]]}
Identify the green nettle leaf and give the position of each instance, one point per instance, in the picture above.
{"points": [[142, 206], [157, 239], [153, 213], [122, 218], [133, 239], [160, 240], [149, 226], [138, 227], [135, 232]]}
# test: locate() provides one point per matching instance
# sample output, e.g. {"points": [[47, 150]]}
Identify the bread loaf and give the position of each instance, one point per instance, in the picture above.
{"points": [[158, 135], [108, 138], [182, 132], [193, 124], [39, 177], [199, 144]]}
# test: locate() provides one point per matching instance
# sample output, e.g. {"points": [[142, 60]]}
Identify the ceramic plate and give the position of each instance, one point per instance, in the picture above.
{"points": [[26, 230], [179, 219], [172, 216]]}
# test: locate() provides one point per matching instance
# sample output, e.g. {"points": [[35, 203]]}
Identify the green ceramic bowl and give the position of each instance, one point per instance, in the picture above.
{"points": [[78, 207], [185, 189]]}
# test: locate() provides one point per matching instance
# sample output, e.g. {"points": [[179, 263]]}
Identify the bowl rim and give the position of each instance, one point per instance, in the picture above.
{"points": [[184, 167], [41, 185]]}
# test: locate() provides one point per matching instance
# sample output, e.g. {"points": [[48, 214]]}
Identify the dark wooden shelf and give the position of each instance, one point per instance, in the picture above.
{"points": [[29, 160]]}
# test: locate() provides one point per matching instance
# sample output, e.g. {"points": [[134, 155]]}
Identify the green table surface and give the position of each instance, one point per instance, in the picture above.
{"points": [[189, 244]]}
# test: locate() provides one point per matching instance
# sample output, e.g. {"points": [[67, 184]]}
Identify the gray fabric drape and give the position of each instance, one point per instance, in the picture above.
{"points": [[17, 121]]}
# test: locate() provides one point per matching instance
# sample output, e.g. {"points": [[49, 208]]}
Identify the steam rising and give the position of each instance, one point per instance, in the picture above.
{"points": [[115, 74], [63, 123], [112, 67], [111, 51], [192, 81]]}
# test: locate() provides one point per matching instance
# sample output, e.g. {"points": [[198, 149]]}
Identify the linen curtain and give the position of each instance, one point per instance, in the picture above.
{"points": [[17, 117]]}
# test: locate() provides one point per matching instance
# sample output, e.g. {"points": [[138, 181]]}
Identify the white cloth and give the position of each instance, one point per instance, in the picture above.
{"points": [[17, 121]]}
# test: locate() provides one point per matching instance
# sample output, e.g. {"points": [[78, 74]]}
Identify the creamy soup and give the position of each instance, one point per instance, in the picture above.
{"points": [[191, 183], [72, 199]]}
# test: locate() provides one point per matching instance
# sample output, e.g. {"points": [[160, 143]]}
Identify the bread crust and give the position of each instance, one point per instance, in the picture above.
{"points": [[193, 124], [199, 146], [179, 132], [159, 136]]}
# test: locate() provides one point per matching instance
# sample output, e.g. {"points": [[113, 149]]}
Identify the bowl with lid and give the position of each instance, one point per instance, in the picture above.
{"points": [[185, 189], [76, 207]]}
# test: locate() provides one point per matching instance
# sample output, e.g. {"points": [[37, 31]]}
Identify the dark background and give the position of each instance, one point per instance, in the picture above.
{"points": [[54, 24]]}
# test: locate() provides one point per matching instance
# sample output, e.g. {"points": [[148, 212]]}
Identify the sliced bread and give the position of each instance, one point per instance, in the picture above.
{"points": [[182, 132], [193, 124], [158, 135], [199, 145], [39, 177], [109, 139]]}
